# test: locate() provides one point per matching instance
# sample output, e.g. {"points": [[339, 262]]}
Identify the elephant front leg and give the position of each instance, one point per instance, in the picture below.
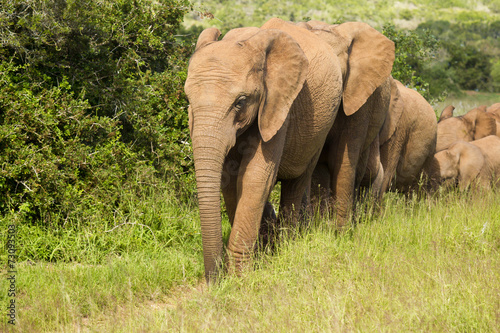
{"points": [[257, 176], [230, 192], [252, 200]]}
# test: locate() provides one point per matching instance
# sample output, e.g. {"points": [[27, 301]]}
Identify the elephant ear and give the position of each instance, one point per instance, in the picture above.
{"points": [[471, 161], [370, 60], [207, 36], [285, 72], [483, 123], [447, 112], [396, 108]]}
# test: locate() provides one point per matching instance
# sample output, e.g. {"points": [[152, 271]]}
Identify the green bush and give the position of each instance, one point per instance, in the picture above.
{"points": [[56, 156], [468, 51], [91, 105], [413, 51]]}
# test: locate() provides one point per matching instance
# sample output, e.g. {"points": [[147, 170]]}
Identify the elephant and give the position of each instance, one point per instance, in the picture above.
{"points": [[405, 143], [403, 152], [494, 110], [262, 103], [344, 157], [474, 125], [467, 163]]}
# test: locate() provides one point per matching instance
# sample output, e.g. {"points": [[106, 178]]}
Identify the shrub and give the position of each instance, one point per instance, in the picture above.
{"points": [[413, 51], [91, 104], [56, 157]]}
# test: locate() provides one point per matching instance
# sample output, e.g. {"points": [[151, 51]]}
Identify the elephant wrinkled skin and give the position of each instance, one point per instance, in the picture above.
{"points": [[494, 110], [403, 145], [262, 102]]}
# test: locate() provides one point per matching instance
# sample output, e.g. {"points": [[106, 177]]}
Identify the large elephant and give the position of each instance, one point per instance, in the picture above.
{"points": [[345, 155], [262, 102], [474, 125], [467, 163]]}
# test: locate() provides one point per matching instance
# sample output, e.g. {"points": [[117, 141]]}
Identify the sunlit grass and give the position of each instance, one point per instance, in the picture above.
{"points": [[426, 265], [429, 264]]}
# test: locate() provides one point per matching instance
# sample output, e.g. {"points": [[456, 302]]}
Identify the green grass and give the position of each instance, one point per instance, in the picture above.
{"points": [[73, 272], [429, 264]]}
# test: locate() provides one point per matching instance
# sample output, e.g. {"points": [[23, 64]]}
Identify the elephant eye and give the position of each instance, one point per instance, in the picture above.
{"points": [[240, 103]]}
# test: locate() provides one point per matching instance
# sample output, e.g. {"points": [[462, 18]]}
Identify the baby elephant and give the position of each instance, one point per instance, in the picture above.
{"points": [[468, 162]]}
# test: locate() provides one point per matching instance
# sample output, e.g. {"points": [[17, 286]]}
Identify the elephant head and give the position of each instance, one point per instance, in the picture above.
{"points": [[474, 125], [250, 76], [461, 162], [494, 109]]}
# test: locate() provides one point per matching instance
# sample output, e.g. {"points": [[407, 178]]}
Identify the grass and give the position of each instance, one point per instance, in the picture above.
{"points": [[422, 264], [68, 274]]}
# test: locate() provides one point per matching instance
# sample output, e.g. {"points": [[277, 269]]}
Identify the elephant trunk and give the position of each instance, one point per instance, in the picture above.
{"points": [[209, 155]]}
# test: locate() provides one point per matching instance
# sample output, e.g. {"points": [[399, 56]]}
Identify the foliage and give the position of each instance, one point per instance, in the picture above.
{"points": [[495, 74], [55, 155], [469, 51], [91, 103], [413, 51]]}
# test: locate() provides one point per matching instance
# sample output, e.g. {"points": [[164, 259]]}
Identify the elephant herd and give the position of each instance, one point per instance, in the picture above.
{"points": [[313, 106], [467, 148]]}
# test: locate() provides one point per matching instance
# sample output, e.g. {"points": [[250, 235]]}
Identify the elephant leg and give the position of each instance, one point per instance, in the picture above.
{"points": [[256, 178], [342, 183], [343, 159], [230, 193], [390, 155], [268, 224], [415, 154]]}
